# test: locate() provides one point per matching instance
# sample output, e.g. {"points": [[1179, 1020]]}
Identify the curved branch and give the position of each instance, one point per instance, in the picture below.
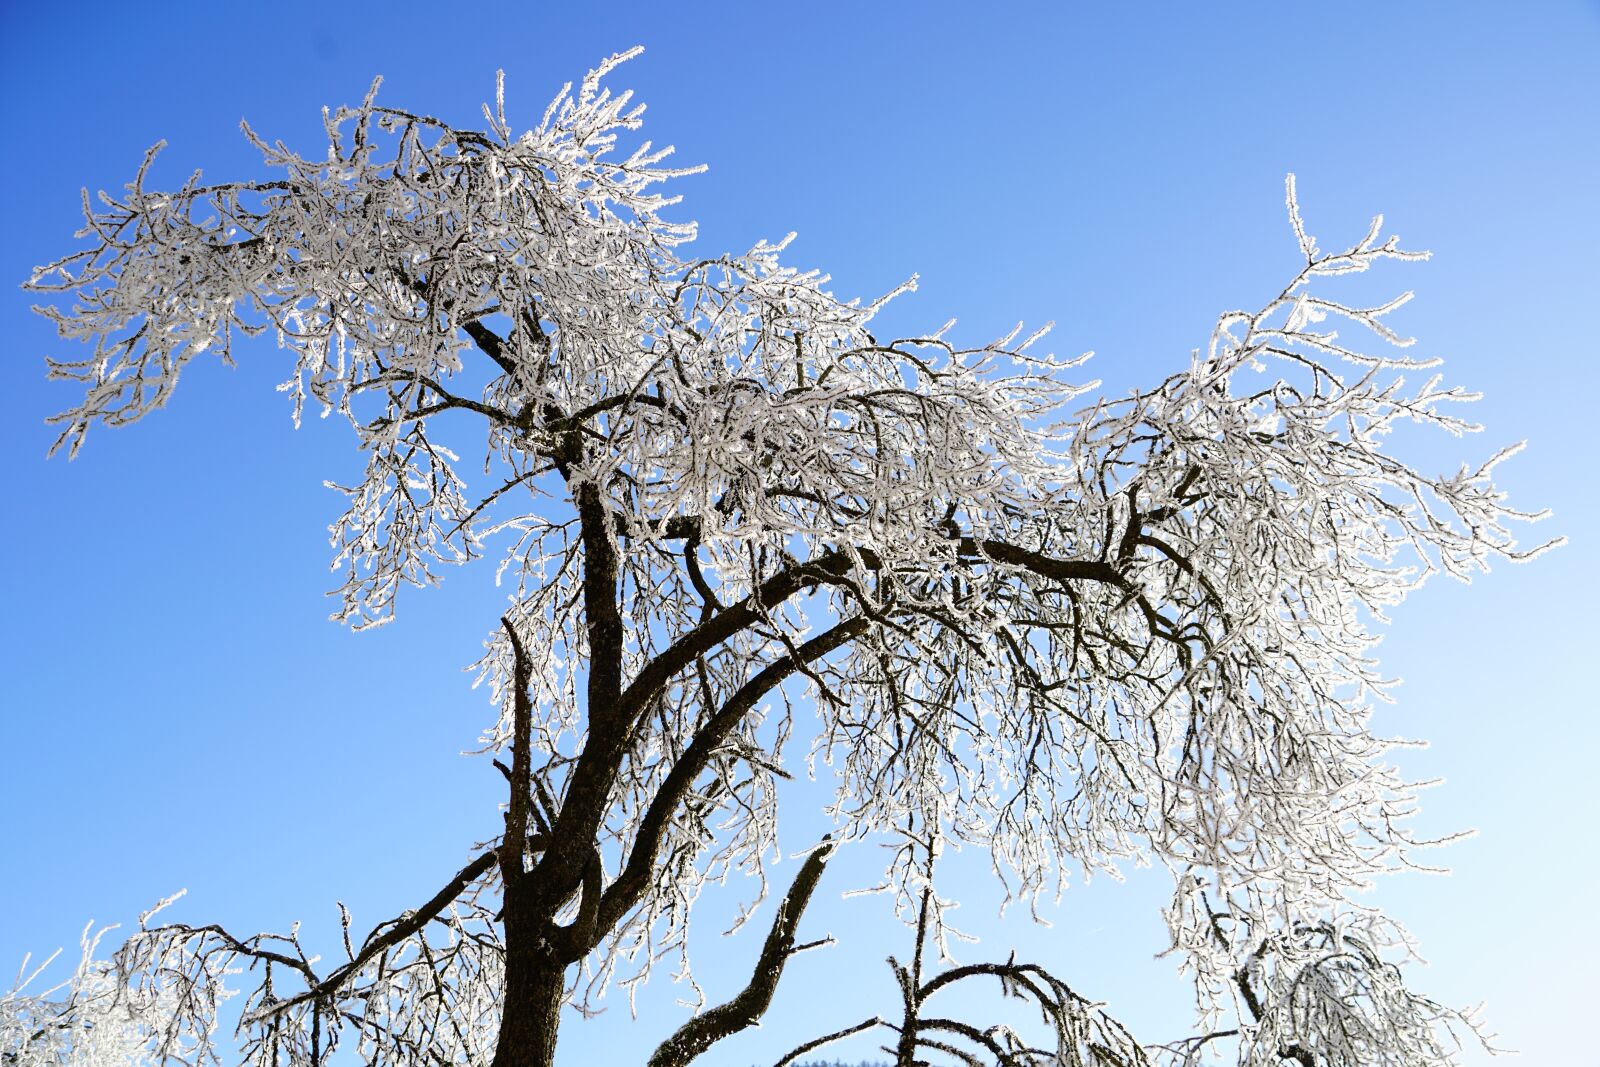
{"points": [[404, 927], [625, 892], [747, 1007], [826, 1039]]}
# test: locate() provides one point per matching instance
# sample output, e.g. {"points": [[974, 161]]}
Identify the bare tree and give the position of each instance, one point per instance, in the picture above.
{"points": [[1070, 637]]}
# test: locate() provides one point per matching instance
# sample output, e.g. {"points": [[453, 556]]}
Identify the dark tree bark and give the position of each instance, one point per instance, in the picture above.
{"points": [[531, 1012], [746, 1009], [535, 979]]}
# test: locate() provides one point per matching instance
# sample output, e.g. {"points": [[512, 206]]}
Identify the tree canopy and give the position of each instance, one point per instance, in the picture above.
{"points": [[1070, 633]]}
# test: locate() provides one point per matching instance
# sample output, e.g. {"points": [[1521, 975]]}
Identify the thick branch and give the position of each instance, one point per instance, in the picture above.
{"points": [[602, 614], [1293, 1051], [513, 848], [589, 789], [574, 941], [404, 927], [611, 715], [746, 1009], [1061, 570], [491, 345], [595, 773], [625, 892], [826, 1039], [708, 635]]}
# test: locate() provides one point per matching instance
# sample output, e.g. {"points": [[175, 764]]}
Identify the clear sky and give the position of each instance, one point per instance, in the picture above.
{"points": [[177, 711]]}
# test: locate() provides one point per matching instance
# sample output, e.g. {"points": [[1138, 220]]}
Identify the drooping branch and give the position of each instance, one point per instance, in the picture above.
{"points": [[827, 568], [1134, 630], [393, 933], [1083, 1032]]}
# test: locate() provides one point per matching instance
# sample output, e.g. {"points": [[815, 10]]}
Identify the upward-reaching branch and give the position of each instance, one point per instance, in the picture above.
{"points": [[1137, 630], [747, 1007], [513, 848], [625, 892]]}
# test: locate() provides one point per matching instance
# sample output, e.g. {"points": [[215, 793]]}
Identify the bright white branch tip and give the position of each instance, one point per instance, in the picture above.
{"points": [[1076, 637]]}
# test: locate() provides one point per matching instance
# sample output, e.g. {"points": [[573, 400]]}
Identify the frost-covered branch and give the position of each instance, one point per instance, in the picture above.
{"points": [[747, 1007], [1075, 637]]}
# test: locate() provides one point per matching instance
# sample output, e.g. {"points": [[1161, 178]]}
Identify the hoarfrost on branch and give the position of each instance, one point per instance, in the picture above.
{"points": [[1072, 636]]}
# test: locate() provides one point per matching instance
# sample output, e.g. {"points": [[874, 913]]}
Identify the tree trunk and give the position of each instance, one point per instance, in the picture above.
{"points": [[531, 1014]]}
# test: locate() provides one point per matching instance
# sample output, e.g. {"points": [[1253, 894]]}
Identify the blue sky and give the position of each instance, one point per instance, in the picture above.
{"points": [[177, 711]]}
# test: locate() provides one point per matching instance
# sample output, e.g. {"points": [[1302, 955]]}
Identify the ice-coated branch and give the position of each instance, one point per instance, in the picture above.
{"points": [[1139, 630], [382, 938], [747, 1007], [1082, 1034], [826, 1039], [512, 853]]}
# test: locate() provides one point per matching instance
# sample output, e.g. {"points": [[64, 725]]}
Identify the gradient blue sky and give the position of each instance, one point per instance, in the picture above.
{"points": [[177, 711]]}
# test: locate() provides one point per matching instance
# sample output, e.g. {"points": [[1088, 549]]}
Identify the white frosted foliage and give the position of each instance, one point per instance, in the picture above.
{"points": [[1075, 636]]}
